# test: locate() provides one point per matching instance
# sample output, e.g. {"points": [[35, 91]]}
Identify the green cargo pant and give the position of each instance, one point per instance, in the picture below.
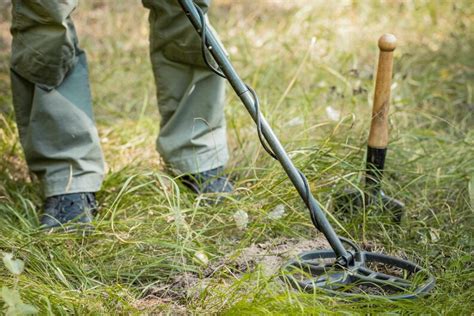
{"points": [[52, 99]]}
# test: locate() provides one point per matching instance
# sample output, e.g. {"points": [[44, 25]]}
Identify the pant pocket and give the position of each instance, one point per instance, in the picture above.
{"points": [[184, 54], [44, 45]]}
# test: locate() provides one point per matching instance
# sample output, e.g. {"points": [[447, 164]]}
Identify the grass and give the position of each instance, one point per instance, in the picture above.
{"points": [[146, 255]]}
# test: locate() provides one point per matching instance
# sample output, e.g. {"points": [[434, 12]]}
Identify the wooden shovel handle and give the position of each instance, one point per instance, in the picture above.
{"points": [[378, 136]]}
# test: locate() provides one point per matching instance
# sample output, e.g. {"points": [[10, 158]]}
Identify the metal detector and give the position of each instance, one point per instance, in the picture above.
{"points": [[347, 271]]}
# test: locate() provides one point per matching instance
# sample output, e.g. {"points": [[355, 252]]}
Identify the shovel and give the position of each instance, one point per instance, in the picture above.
{"points": [[377, 144]]}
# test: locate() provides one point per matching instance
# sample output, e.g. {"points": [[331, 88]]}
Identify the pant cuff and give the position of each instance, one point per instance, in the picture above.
{"points": [[65, 185], [199, 162]]}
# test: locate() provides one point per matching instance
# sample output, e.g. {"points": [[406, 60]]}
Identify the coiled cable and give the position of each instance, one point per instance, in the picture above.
{"points": [[205, 55]]}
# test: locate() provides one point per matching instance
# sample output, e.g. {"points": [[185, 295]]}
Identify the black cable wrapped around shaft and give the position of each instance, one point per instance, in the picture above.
{"points": [[271, 144]]}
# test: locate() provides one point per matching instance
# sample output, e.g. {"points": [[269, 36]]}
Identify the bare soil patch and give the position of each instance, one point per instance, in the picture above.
{"points": [[268, 256]]}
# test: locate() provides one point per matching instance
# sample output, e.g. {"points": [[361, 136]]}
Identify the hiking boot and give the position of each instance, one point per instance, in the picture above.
{"points": [[77, 208], [211, 181]]}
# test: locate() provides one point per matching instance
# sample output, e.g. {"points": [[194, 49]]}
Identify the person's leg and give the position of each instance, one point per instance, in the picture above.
{"points": [[57, 132], [52, 101], [192, 136]]}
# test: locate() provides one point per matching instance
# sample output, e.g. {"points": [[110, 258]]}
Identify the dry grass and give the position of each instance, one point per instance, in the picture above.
{"points": [[143, 256]]}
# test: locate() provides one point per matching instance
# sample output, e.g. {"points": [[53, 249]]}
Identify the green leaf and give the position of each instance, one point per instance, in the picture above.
{"points": [[14, 303], [26, 309], [15, 266], [11, 297]]}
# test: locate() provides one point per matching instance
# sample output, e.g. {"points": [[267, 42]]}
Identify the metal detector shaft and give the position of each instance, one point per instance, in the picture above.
{"points": [[248, 100]]}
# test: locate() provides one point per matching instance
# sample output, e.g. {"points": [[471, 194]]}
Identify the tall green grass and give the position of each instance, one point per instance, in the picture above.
{"points": [[142, 258]]}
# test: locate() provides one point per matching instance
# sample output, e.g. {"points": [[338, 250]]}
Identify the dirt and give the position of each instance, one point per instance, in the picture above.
{"points": [[271, 255], [168, 296], [268, 256], [152, 303]]}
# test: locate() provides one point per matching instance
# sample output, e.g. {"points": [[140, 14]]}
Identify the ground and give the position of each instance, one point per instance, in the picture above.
{"points": [[157, 249]]}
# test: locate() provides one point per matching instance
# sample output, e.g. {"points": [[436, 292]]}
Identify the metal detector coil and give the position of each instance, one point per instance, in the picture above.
{"points": [[344, 270], [315, 270]]}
